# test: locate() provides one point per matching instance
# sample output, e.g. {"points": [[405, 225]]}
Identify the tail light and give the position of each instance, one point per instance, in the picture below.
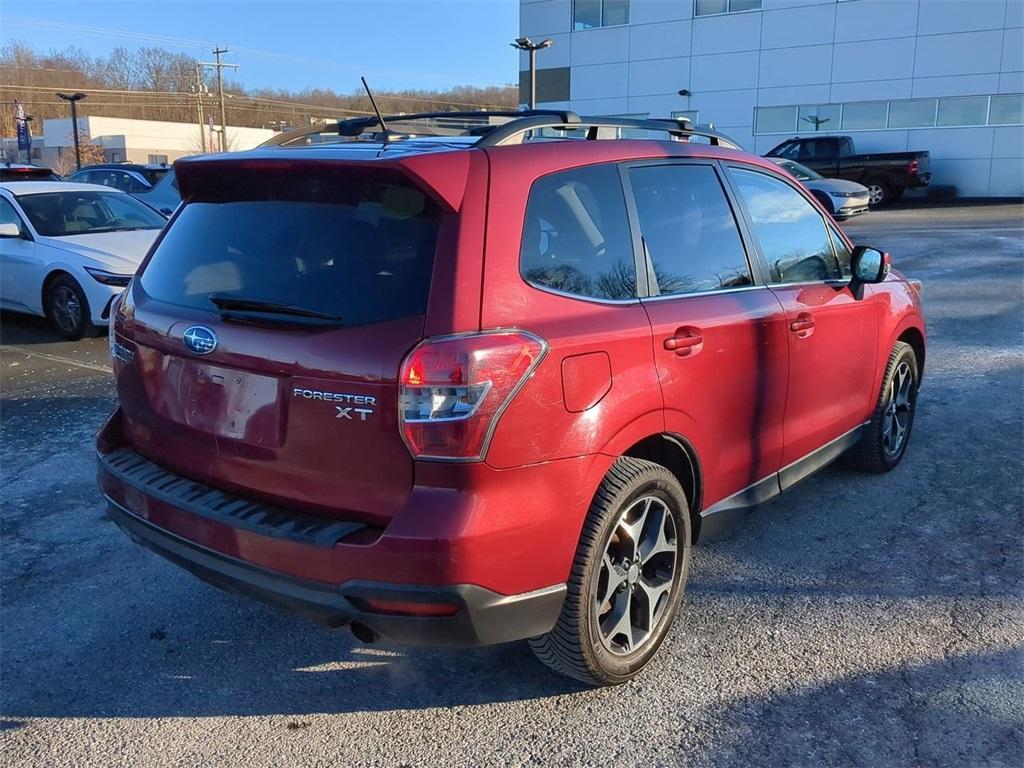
{"points": [[453, 390], [913, 166], [122, 326]]}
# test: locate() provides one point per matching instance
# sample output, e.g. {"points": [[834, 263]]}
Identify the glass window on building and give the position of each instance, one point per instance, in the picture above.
{"points": [[154, 159], [689, 114], [864, 115], [1007, 109], [820, 117], [917, 113], [775, 119], [963, 110], [709, 7], [614, 13], [591, 14]]}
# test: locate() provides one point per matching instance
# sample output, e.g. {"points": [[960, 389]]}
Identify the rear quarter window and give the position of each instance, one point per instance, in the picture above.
{"points": [[576, 236], [365, 256]]}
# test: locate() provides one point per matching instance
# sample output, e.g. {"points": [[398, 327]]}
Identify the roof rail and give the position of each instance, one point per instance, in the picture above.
{"points": [[518, 123], [680, 127]]}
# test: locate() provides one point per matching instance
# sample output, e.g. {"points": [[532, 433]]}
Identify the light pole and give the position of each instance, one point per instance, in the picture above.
{"points": [[74, 98], [526, 44]]}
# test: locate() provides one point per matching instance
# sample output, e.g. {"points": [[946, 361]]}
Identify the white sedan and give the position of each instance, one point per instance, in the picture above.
{"points": [[66, 250]]}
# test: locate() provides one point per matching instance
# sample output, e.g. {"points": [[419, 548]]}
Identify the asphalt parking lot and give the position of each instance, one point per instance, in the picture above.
{"points": [[858, 621]]}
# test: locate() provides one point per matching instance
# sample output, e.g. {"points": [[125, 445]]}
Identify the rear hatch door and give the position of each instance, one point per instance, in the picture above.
{"points": [[268, 327]]}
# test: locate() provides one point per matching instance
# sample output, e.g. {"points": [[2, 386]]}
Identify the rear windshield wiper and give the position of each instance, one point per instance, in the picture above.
{"points": [[236, 303]]}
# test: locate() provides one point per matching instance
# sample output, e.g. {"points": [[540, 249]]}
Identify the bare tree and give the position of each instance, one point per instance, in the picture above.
{"points": [[91, 154], [154, 84]]}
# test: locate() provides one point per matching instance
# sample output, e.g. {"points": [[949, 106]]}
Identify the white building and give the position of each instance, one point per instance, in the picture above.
{"points": [[135, 141], [942, 75]]}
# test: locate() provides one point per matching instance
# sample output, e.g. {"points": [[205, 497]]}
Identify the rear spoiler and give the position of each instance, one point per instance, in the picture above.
{"points": [[274, 174]]}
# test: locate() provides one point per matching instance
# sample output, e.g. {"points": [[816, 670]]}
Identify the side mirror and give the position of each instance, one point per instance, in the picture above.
{"points": [[10, 229], [868, 265]]}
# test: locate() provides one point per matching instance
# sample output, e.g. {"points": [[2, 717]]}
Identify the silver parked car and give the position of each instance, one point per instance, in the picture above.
{"points": [[841, 198]]}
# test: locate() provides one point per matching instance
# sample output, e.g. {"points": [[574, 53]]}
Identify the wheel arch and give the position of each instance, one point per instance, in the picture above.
{"points": [[915, 339], [54, 272], [678, 456]]}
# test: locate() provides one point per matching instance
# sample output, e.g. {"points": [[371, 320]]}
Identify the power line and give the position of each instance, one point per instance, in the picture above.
{"points": [[264, 99], [254, 53]]}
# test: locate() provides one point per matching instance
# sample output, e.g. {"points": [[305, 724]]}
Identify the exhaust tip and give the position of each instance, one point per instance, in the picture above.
{"points": [[363, 633]]}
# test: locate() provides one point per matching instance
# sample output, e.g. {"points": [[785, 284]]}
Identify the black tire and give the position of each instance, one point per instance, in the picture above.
{"points": [[874, 452], [879, 192], [576, 647], [67, 308]]}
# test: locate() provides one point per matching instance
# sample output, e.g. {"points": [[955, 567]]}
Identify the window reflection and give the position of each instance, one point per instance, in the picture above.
{"points": [[576, 235], [689, 230], [791, 232]]}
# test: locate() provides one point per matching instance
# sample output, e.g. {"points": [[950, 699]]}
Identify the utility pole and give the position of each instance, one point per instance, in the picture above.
{"points": [[526, 44], [220, 92], [199, 89]]}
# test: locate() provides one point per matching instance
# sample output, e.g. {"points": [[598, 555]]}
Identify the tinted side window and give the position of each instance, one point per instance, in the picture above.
{"points": [[131, 184], [792, 234], [106, 178], [689, 230], [576, 235]]}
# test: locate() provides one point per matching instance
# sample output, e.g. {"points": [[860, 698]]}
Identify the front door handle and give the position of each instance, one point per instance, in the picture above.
{"points": [[803, 325], [685, 341]]}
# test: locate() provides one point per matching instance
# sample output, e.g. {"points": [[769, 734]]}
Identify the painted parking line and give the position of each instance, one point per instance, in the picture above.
{"points": [[61, 359]]}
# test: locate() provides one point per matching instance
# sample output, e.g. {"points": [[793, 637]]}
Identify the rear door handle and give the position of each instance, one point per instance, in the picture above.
{"points": [[685, 341], [803, 325]]}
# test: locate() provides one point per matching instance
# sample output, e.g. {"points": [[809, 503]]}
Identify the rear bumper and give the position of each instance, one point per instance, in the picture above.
{"points": [[493, 558], [922, 179], [480, 616]]}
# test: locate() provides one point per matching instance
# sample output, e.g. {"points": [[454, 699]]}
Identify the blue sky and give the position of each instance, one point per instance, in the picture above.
{"points": [[281, 43]]}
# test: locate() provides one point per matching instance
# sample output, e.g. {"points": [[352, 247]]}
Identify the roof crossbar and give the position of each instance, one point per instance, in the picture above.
{"points": [[354, 126]]}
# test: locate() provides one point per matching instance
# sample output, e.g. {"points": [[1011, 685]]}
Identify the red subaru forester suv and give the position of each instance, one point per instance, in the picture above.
{"points": [[467, 387]]}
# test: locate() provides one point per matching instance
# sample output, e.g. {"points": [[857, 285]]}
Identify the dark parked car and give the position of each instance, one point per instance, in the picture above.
{"points": [[22, 172], [128, 177], [887, 175], [481, 388]]}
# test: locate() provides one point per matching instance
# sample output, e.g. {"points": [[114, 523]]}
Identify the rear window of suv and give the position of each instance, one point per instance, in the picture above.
{"points": [[362, 251]]}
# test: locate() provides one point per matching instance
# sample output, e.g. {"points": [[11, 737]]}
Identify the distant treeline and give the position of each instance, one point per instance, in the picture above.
{"points": [[158, 84]]}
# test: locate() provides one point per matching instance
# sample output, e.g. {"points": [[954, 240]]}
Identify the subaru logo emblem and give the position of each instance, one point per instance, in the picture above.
{"points": [[200, 339]]}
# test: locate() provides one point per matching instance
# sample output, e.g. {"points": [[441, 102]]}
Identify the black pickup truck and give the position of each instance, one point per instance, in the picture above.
{"points": [[887, 175]]}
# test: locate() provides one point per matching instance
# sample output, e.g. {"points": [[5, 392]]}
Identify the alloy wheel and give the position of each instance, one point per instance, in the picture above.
{"points": [[634, 582], [67, 309], [876, 194], [898, 410]]}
